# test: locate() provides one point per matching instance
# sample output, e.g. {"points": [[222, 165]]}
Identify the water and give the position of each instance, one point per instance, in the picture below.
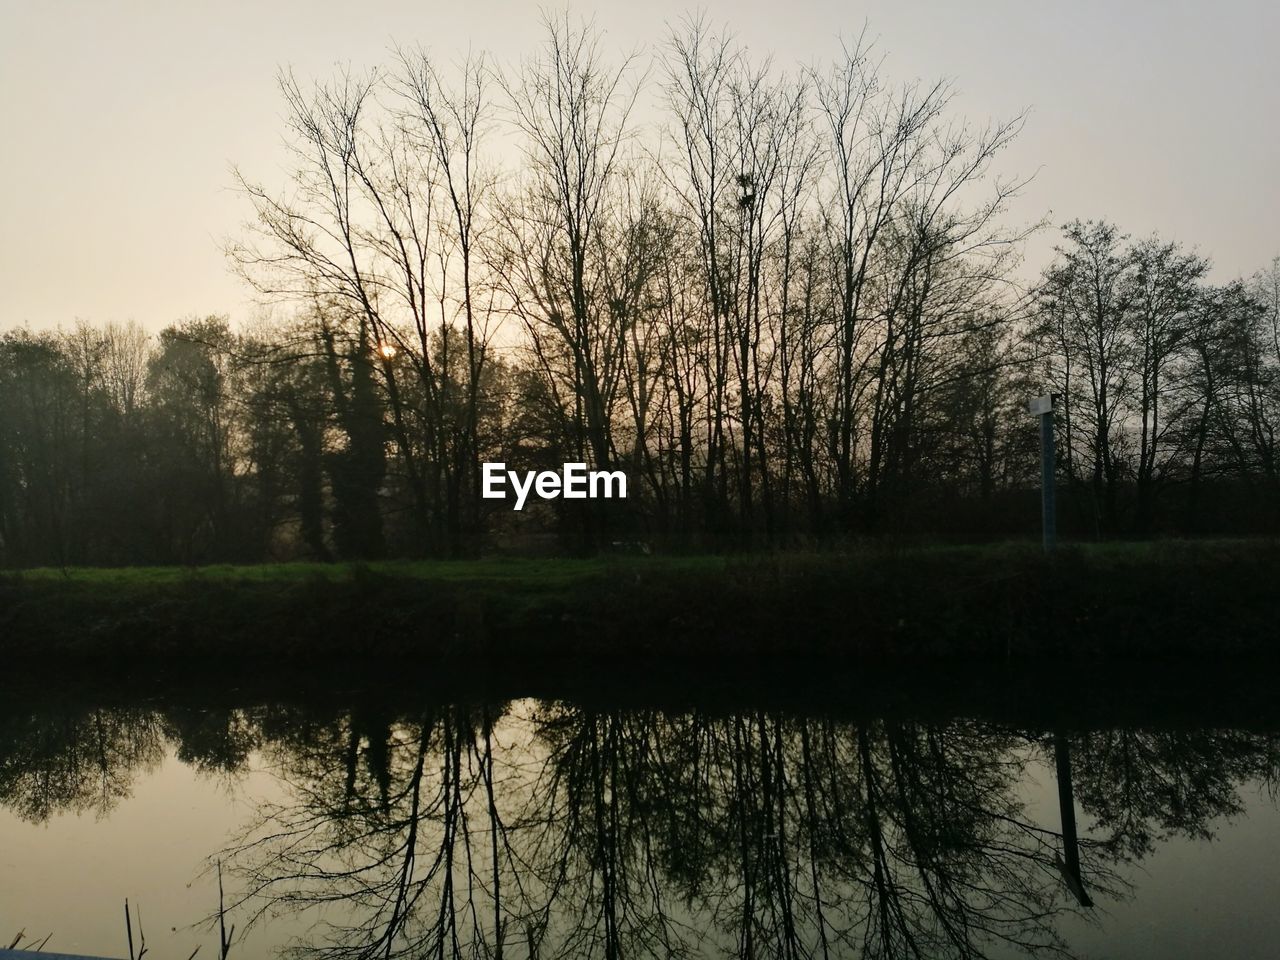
{"points": [[825, 824]]}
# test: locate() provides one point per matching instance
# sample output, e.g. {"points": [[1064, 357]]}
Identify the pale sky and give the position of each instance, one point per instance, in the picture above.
{"points": [[121, 119]]}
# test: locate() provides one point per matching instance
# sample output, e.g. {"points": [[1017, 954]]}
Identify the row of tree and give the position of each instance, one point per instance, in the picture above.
{"points": [[790, 312], [1168, 380]]}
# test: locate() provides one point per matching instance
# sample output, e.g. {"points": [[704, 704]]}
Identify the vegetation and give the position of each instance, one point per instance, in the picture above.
{"points": [[878, 602], [787, 305]]}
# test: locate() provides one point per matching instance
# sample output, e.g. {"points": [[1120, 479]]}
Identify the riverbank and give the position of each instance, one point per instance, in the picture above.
{"points": [[1169, 598]]}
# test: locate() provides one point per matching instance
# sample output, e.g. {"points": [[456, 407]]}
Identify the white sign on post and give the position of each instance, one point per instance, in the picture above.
{"points": [[1041, 405]]}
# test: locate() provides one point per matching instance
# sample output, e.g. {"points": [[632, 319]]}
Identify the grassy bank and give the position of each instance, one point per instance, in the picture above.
{"points": [[1219, 599]]}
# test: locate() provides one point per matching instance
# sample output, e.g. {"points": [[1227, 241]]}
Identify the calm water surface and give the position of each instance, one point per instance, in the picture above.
{"points": [[558, 828]]}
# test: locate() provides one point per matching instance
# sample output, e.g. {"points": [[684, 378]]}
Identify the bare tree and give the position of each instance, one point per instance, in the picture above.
{"points": [[384, 203], [1083, 331], [1162, 300], [573, 112]]}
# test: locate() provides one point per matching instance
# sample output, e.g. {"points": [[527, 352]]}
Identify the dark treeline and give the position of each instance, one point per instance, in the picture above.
{"points": [[553, 829], [785, 304]]}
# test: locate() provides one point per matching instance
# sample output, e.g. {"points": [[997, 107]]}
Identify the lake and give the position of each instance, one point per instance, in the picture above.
{"points": [[638, 817]]}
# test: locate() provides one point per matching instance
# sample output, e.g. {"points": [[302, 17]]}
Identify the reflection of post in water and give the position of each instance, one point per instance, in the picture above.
{"points": [[1067, 805]]}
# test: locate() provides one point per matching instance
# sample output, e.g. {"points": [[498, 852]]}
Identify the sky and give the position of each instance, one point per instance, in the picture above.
{"points": [[121, 120]]}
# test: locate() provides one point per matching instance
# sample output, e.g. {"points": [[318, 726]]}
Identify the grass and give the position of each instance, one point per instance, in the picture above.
{"points": [[492, 570], [561, 570], [873, 601]]}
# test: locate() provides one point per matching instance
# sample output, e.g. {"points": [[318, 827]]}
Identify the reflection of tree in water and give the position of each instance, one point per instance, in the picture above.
{"points": [[395, 820], [76, 762], [569, 832], [213, 741], [797, 837], [1143, 787], [559, 831]]}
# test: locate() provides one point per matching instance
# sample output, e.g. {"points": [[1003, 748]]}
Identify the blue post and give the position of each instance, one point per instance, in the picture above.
{"points": [[1043, 408], [1047, 461]]}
